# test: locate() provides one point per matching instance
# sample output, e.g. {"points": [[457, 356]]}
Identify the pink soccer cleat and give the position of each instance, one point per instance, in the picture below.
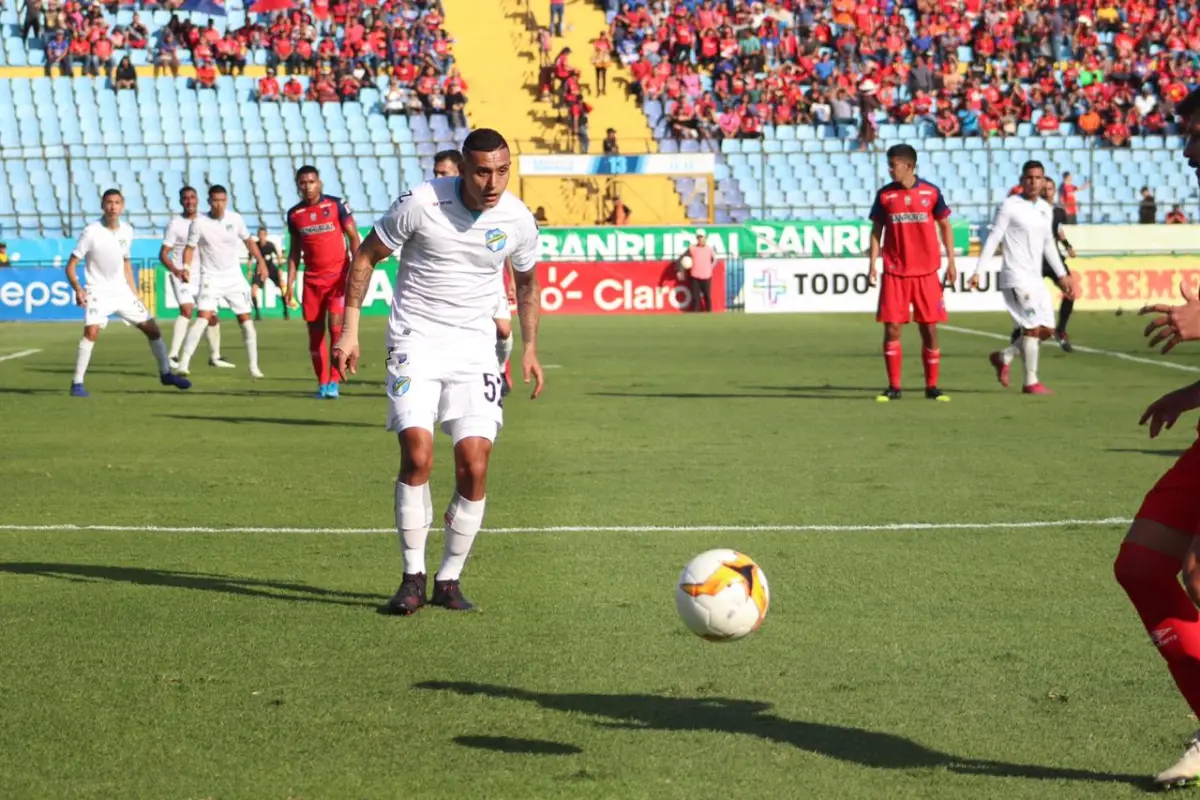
{"points": [[1001, 368], [1035, 388]]}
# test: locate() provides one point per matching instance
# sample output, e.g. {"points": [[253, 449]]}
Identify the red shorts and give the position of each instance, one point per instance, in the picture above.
{"points": [[1175, 499], [920, 293], [320, 299]]}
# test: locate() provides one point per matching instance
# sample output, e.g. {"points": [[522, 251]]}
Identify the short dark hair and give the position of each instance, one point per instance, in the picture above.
{"points": [[483, 140], [307, 169], [903, 152], [1028, 165], [217, 188], [184, 191], [453, 156], [111, 193], [1189, 105]]}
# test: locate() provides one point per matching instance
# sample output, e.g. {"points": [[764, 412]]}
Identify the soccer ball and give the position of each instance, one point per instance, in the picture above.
{"points": [[685, 262], [722, 595]]}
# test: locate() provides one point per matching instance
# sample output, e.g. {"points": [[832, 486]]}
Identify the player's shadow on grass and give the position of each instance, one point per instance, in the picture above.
{"points": [[723, 715], [509, 744], [1145, 451], [871, 390], [309, 423], [747, 395], [205, 582]]}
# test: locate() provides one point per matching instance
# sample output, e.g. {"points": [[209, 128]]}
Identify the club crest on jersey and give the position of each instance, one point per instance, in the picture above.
{"points": [[495, 240], [400, 386], [312, 217]]}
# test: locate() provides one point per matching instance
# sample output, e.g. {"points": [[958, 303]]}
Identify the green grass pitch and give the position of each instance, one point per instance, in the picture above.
{"points": [[985, 660]]}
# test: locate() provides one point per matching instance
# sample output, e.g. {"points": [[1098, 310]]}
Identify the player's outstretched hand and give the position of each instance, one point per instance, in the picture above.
{"points": [[533, 369], [1166, 410], [345, 357], [1174, 324]]}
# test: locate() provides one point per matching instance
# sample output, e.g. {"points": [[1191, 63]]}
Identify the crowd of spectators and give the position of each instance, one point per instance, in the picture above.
{"points": [[1109, 68], [341, 45]]}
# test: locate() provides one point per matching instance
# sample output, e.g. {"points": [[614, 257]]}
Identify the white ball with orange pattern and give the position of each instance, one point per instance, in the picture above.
{"points": [[722, 595]]}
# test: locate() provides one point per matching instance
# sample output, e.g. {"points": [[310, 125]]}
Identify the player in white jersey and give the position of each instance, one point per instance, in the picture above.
{"points": [[1023, 224], [185, 285], [454, 235], [446, 165], [218, 237], [104, 248]]}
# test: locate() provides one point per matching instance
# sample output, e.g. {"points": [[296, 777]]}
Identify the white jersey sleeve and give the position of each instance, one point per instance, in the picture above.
{"points": [[399, 223], [239, 223], [84, 243], [127, 241], [995, 235], [524, 255]]}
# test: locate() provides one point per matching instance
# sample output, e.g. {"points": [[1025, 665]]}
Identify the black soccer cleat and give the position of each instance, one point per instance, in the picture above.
{"points": [[1064, 342], [409, 598], [888, 395], [447, 594], [505, 384], [934, 393]]}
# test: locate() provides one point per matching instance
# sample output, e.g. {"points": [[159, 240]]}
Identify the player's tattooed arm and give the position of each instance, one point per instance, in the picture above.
{"points": [[369, 253], [529, 309]]}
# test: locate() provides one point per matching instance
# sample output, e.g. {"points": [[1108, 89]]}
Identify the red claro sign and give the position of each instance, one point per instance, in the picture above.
{"points": [[620, 287]]}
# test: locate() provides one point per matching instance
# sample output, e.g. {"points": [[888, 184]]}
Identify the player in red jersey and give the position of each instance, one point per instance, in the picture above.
{"points": [[1164, 539], [320, 226], [908, 214]]}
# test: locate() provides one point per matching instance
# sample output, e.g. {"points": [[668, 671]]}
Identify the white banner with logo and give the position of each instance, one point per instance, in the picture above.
{"points": [[787, 285]]}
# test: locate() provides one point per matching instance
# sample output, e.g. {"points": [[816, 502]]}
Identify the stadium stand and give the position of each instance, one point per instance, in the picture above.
{"points": [[755, 102]]}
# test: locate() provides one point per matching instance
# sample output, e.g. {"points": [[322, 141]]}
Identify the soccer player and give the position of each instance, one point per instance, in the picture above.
{"points": [[184, 285], [446, 165], [104, 248], [1065, 251], [218, 237], [1023, 224], [908, 214], [454, 235], [270, 255], [1162, 541], [320, 226]]}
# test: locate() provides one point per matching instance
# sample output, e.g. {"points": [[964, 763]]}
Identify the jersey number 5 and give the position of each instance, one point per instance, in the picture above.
{"points": [[491, 389]]}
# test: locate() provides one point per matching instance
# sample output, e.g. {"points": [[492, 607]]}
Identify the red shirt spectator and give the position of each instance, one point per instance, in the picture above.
{"points": [[206, 75], [268, 87], [293, 90]]}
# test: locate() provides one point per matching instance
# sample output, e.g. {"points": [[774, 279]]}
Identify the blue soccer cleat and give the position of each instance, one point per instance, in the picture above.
{"points": [[331, 392], [322, 391], [178, 381], [77, 390]]}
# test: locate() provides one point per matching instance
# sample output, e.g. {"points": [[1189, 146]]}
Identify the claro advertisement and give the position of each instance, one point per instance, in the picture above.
{"points": [[833, 285]]}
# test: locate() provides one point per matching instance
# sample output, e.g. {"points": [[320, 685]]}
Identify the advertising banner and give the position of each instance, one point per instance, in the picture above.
{"points": [[639, 287], [38, 295], [1108, 283], [808, 239], [840, 284]]}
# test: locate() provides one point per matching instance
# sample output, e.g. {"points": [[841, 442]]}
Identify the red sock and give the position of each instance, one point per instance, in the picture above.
{"points": [[335, 333], [932, 359], [508, 371], [892, 358], [319, 350], [1151, 579]]}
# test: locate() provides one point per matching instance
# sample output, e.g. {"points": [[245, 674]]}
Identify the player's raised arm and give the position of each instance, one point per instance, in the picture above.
{"points": [[992, 243]]}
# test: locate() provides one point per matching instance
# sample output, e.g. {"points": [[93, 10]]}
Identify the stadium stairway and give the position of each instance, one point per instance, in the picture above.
{"points": [[495, 48]]}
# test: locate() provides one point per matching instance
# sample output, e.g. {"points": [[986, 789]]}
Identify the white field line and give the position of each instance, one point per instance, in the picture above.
{"points": [[20, 354], [895, 526], [1156, 362]]}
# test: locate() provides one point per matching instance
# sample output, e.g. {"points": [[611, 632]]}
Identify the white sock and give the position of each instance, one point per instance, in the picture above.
{"points": [[1009, 353], [212, 334], [192, 341], [178, 335], [504, 351], [428, 505], [464, 518], [159, 348], [413, 525], [82, 357], [1029, 354], [250, 337]]}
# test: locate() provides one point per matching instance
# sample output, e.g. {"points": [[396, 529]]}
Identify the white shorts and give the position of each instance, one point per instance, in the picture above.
{"points": [[467, 403], [120, 300], [1030, 307], [185, 293], [234, 291], [502, 309]]}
